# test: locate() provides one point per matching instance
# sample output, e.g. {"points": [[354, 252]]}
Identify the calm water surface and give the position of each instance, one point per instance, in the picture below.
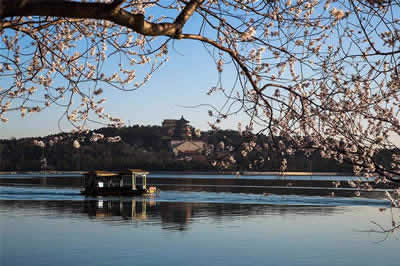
{"points": [[48, 226]]}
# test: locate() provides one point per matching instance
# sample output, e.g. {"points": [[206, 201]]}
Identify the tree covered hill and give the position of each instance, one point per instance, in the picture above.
{"points": [[147, 147]]}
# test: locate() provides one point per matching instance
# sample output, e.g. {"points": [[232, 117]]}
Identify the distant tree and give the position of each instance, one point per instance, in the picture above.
{"points": [[322, 74]]}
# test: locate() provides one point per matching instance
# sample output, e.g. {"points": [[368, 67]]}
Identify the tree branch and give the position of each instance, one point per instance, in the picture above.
{"points": [[102, 11]]}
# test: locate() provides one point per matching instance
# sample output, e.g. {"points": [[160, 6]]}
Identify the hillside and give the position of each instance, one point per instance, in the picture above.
{"points": [[147, 147]]}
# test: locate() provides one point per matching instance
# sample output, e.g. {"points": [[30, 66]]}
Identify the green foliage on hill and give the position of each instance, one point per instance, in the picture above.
{"points": [[146, 147]]}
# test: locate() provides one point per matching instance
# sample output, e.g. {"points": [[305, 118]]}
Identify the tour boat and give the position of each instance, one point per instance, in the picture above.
{"points": [[131, 182]]}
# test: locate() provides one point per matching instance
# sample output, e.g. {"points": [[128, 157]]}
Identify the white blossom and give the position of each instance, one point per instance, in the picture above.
{"points": [[76, 144]]}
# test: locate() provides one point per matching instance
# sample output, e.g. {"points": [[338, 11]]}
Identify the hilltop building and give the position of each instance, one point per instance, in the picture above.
{"points": [[178, 134], [177, 129]]}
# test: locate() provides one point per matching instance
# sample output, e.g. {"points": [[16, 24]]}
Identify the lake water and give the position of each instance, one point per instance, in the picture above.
{"points": [[57, 226]]}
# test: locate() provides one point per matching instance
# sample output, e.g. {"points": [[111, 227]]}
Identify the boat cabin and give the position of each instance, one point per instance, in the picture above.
{"points": [[128, 182], [135, 178]]}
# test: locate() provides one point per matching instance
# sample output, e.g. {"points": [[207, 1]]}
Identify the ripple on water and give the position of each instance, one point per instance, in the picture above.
{"points": [[31, 193]]}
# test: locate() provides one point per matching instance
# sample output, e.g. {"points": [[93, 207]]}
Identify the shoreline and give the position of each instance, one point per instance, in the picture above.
{"points": [[243, 173]]}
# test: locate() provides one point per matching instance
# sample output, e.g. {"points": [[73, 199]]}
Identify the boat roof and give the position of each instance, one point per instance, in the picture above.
{"points": [[101, 173], [110, 174], [134, 171]]}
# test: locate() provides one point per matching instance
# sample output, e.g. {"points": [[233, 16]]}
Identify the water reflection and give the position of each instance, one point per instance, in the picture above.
{"points": [[150, 231], [127, 210], [168, 215], [19, 189], [221, 184]]}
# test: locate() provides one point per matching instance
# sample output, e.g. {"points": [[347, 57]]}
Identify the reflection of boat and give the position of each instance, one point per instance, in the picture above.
{"points": [[171, 215], [127, 183], [129, 209]]}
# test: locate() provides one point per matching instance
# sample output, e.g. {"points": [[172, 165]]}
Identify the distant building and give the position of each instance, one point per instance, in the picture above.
{"points": [[177, 129], [178, 135], [187, 147]]}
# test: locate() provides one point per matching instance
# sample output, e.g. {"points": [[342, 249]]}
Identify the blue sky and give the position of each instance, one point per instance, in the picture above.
{"points": [[183, 81]]}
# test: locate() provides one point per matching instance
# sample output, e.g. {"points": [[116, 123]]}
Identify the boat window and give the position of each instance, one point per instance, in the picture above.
{"points": [[127, 180], [139, 180], [115, 182]]}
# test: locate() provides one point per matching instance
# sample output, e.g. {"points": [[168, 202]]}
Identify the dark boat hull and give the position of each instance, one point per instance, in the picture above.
{"points": [[114, 192]]}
